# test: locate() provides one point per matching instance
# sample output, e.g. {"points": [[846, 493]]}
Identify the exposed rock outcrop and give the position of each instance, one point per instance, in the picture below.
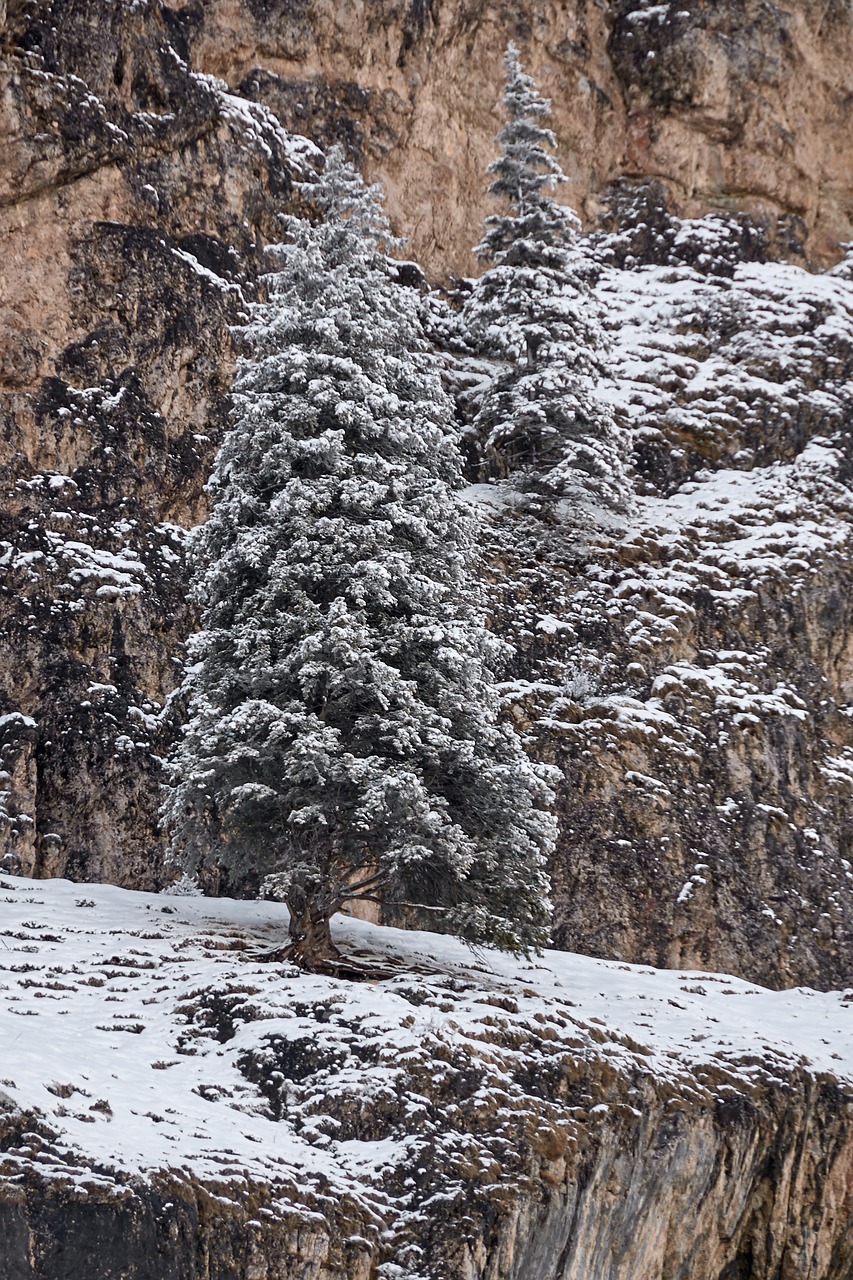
{"points": [[451, 1117], [691, 674], [137, 197], [736, 106]]}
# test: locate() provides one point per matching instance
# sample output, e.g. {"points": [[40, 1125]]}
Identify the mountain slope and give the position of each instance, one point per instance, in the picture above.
{"points": [[167, 1094], [139, 196]]}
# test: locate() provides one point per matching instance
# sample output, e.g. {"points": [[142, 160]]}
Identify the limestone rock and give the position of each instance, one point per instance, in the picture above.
{"points": [[740, 106], [689, 673], [137, 198], [475, 1117], [137, 194]]}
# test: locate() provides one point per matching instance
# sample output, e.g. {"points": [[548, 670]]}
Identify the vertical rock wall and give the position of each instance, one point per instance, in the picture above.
{"points": [[136, 196], [736, 106]]}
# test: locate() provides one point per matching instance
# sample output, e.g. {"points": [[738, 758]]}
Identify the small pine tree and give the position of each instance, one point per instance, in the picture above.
{"points": [[533, 230], [540, 423], [342, 735]]}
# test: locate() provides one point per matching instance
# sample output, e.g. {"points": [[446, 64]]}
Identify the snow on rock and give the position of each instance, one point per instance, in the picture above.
{"points": [[117, 352], [713, 631], [711, 369], [145, 1037], [260, 129]]}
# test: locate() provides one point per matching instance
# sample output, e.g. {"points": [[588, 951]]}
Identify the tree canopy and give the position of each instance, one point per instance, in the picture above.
{"points": [[541, 423], [343, 738]]}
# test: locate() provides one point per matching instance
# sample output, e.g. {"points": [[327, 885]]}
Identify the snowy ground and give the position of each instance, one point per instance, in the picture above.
{"points": [[127, 1021]]}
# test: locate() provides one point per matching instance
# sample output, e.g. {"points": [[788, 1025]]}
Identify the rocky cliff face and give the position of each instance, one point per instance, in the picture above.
{"points": [[136, 198], [690, 673], [738, 106]]}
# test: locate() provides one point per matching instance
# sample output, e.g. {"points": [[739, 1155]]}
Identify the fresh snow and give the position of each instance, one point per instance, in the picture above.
{"points": [[100, 989], [218, 282]]}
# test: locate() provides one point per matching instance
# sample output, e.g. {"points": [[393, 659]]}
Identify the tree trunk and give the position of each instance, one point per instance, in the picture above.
{"points": [[311, 945]]}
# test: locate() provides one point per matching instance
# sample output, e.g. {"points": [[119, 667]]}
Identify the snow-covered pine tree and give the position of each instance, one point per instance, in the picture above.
{"points": [[540, 423], [342, 734]]}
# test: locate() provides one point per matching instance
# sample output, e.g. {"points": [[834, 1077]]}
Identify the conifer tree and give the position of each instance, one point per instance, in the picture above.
{"points": [[342, 737], [540, 422]]}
